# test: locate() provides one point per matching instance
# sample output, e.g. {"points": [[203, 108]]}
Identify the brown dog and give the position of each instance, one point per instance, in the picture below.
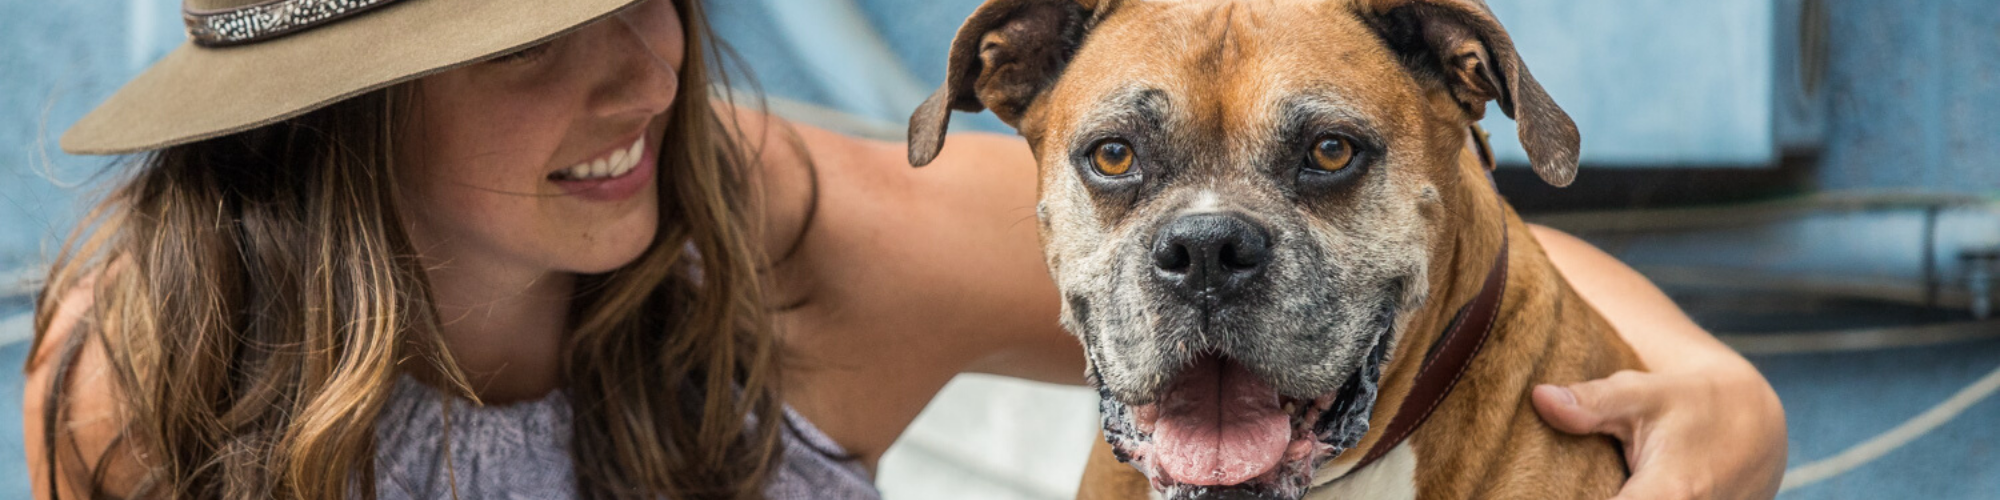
{"points": [[1261, 214]]}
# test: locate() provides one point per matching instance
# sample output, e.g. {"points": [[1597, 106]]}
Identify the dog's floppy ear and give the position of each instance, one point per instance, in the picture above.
{"points": [[1007, 53], [1462, 42]]}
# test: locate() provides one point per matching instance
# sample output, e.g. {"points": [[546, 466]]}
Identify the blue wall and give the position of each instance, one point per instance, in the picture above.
{"points": [[1914, 96], [59, 59], [1651, 82]]}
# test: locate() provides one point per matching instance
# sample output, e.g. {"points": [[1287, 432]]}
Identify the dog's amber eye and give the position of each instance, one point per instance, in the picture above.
{"points": [[1112, 158], [1332, 154]]}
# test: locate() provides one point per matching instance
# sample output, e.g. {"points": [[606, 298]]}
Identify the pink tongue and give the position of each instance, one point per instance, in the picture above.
{"points": [[1219, 425]]}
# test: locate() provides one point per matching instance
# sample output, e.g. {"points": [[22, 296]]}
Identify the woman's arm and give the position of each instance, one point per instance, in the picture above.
{"points": [[902, 277], [85, 438], [1702, 423], [967, 220]]}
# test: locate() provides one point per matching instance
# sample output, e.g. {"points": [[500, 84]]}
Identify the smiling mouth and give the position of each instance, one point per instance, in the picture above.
{"points": [[609, 166], [1219, 431]]}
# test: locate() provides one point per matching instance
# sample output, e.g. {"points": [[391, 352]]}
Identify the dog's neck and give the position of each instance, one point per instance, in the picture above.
{"points": [[1460, 268], [1465, 252]]}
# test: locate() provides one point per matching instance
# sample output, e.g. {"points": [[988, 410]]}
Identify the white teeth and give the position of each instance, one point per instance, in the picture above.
{"points": [[620, 162]]}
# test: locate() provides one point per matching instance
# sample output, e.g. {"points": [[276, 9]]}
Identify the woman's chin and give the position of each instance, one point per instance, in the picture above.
{"points": [[611, 246], [606, 256], [602, 260]]}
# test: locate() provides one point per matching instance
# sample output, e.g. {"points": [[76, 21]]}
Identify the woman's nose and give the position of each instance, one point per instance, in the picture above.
{"points": [[644, 81]]}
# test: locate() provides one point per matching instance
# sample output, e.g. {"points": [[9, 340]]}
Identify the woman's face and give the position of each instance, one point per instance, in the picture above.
{"points": [[543, 160]]}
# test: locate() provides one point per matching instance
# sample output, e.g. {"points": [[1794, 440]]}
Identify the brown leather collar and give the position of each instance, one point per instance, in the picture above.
{"points": [[1455, 347]]}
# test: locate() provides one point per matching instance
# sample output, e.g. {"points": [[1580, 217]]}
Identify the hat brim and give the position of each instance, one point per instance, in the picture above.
{"points": [[197, 93]]}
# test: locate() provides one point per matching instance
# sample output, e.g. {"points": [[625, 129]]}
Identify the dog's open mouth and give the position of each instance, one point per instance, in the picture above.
{"points": [[1219, 431]]}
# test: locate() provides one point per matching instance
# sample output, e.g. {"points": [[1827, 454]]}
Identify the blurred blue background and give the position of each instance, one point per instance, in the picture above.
{"points": [[1803, 175]]}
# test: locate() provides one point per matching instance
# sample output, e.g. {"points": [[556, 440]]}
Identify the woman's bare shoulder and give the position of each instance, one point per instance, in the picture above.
{"points": [[797, 167], [91, 417], [782, 171]]}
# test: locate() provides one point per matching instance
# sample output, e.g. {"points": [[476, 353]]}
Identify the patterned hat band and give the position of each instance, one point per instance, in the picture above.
{"points": [[268, 20]]}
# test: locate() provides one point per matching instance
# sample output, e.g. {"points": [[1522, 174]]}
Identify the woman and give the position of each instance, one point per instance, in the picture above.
{"points": [[357, 219]]}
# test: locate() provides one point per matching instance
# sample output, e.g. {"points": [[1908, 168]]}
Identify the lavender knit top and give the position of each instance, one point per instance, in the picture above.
{"points": [[521, 450]]}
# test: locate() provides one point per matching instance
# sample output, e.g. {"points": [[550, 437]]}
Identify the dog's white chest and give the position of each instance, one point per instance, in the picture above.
{"points": [[1393, 477]]}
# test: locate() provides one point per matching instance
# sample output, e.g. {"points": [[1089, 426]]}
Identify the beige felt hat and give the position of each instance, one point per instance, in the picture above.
{"points": [[249, 63]]}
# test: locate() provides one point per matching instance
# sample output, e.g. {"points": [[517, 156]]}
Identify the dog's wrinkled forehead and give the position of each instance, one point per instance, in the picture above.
{"points": [[1042, 65], [1234, 73]]}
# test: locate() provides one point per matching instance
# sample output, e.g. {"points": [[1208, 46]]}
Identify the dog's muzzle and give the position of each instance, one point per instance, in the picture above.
{"points": [[1246, 371]]}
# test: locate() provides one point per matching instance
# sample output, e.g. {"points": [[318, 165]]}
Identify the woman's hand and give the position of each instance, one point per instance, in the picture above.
{"points": [[1715, 434], [1701, 423]]}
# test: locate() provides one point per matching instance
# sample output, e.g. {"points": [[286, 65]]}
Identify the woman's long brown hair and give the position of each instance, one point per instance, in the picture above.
{"points": [[254, 294]]}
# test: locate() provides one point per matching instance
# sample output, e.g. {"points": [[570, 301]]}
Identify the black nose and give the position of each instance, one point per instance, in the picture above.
{"points": [[1210, 256]]}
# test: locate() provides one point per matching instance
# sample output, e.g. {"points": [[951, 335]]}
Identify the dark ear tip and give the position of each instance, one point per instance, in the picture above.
{"points": [[1557, 163], [927, 126], [1557, 175], [924, 147], [920, 155], [1551, 139]]}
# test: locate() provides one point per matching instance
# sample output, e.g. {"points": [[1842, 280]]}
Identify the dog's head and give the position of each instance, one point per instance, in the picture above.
{"points": [[1242, 202]]}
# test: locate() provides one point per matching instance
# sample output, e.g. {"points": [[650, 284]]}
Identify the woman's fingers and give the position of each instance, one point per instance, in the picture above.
{"points": [[1558, 406], [1617, 405]]}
